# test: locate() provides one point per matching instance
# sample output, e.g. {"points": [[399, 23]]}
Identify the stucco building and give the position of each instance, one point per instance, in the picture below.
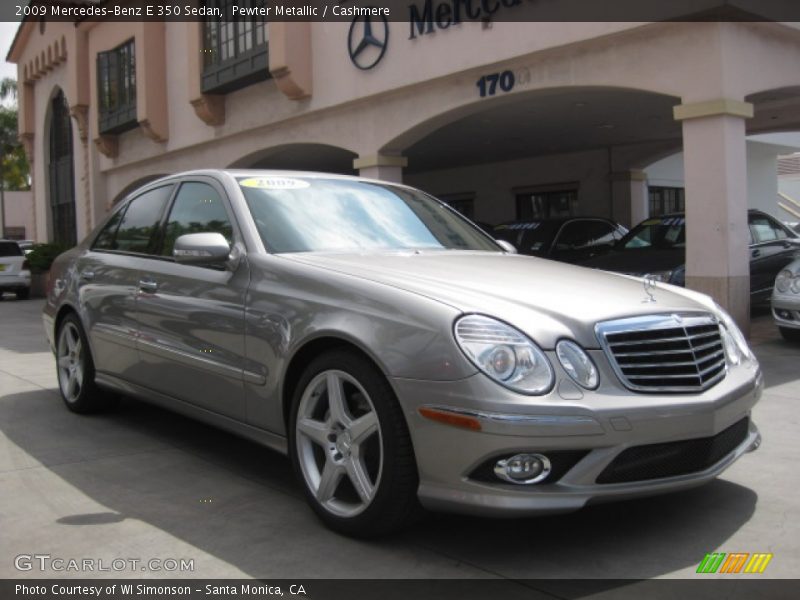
{"points": [[502, 119]]}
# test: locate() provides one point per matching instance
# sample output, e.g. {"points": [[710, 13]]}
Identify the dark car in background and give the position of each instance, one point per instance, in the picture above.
{"points": [[567, 239], [657, 247]]}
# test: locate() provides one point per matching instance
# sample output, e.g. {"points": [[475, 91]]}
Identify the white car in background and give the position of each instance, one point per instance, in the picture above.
{"points": [[15, 275], [786, 301]]}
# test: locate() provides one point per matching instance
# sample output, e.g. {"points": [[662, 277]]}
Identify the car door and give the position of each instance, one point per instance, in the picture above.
{"points": [[191, 318], [107, 279], [770, 251]]}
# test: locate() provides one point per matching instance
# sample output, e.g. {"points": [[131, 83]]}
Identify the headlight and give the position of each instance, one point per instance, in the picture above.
{"points": [[577, 364], [504, 354], [784, 280], [736, 346]]}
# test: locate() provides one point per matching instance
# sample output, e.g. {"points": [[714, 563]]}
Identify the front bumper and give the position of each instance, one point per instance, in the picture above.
{"points": [[598, 426], [786, 310]]}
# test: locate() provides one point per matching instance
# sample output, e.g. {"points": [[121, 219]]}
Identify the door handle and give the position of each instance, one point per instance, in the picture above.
{"points": [[756, 253], [87, 275], [148, 285]]}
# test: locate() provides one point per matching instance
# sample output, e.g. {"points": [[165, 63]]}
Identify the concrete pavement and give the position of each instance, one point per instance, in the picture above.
{"points": [[144, 483]]}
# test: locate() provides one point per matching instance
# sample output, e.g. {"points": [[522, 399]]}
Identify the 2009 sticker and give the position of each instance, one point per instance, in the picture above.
{"points": [[274, 183]]}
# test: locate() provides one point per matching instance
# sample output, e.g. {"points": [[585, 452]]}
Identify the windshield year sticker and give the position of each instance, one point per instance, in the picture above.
{"points": [[274, 183]]}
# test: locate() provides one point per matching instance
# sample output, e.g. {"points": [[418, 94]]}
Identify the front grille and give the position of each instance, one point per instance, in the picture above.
{"points": [[657, 461], [665, 353]]}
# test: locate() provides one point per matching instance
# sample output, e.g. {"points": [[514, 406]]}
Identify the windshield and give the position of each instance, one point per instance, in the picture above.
{"points": [[663, 233], [295, 214]]}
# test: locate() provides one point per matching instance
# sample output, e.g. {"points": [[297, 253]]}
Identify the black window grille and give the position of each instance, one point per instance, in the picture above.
{"points": [[665, 200], [116, 85], [61, 174], [235, 52]]}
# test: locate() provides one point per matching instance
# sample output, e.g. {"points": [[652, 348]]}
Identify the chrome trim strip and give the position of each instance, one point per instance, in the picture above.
{"points": [[199, 362]]}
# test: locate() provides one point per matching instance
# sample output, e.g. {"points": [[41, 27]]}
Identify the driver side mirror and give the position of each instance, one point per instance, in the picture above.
{"points": [[201, 249]]}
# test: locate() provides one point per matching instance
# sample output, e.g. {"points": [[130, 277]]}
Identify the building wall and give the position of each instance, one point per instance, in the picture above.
{"points": [[19, 209]]}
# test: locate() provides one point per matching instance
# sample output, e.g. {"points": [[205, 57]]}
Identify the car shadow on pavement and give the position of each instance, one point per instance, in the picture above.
{"points": [[238, 502]]}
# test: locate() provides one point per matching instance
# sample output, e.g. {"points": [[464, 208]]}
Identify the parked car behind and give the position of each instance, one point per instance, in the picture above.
{"points": [[15, 275], [568, 239], [786, 302], [657, 247], [395, 351]]}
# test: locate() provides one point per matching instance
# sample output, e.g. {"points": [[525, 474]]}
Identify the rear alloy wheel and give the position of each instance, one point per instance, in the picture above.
{"points": [[75, 368], [350, 447]]}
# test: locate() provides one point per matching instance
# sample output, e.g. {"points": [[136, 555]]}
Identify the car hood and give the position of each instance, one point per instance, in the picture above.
{"points": [[548, 300], [644, 260]]}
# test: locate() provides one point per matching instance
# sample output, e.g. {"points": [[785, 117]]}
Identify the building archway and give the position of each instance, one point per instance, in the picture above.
{"points": [[61, 173], [300, 157]]}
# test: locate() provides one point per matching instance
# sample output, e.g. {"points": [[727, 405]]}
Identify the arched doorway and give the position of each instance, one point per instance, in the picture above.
{"points": [[61, 174]]}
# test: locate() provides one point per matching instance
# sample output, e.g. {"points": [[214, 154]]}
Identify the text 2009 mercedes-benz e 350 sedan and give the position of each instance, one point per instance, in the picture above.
{"points": [[396, 352]]}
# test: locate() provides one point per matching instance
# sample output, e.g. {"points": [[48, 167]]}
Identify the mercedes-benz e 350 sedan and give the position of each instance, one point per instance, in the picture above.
{"points": [[395, 351]]}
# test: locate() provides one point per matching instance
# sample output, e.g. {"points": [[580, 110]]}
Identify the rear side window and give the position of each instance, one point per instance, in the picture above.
{"points": [[10, 249], [136, 232], [198, 208]]}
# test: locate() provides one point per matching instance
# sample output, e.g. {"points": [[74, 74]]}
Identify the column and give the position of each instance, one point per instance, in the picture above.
{"points": [[381, 166], [717, 236], [630, 198]]}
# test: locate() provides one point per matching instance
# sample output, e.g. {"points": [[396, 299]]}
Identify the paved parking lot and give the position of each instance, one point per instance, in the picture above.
{"points": [[144, 483]]}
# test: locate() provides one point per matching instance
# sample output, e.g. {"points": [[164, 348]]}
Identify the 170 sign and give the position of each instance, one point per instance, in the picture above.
{"points": [[488, 84]]}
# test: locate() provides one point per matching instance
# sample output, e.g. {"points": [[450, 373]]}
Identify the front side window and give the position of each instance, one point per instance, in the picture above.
{"points": [[580, 235], [324, 215], [235, 53], [764, 230], [136, 231], [198, 208], [116, 88]]}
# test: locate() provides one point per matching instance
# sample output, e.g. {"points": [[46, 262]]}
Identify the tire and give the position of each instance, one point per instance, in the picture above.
{"points": [[790, 335], [75, 369], [353, 458], [23, 293]]}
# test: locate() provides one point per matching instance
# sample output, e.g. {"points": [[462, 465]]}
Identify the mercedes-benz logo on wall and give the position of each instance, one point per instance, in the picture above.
{"points": [[367, 41]]}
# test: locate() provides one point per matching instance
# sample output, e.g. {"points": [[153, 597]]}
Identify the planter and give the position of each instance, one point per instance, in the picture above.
{"points": [[39, 284]]}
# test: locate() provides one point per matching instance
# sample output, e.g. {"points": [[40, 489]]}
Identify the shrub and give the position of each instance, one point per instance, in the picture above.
{"points": [[42, 256]]}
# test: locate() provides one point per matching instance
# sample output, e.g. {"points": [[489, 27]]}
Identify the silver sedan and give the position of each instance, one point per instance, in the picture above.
{"points": [[401, 357]]}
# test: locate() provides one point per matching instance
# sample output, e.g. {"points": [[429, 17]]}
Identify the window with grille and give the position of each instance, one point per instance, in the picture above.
{"points": [[116, 87], [235, 53], [546, 204], [665, 200]]}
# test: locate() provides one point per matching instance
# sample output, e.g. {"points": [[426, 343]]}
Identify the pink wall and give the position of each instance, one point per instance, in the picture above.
{"points": [[19, 212]]}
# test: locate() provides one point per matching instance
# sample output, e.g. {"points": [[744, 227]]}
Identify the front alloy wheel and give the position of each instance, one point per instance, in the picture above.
{"points": [[350, 447], [339, 443]]}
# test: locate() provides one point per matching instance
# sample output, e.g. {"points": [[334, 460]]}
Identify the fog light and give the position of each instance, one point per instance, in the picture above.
{"points": [[523, 469]]}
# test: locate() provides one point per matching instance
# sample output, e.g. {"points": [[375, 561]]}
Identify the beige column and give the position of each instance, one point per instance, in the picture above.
{"points": [[717, 238], [381, 166], [630, 199]]}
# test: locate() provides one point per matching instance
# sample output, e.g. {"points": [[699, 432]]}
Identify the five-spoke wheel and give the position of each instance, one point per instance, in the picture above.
{"points": [[350, 446]]}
